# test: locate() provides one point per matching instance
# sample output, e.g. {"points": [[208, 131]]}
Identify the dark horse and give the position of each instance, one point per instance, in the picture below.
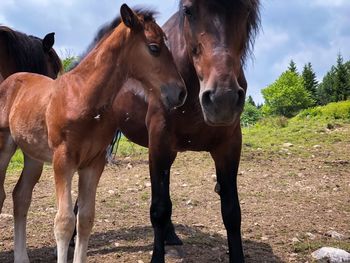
{"points": [[22, 53], [210, 41]]}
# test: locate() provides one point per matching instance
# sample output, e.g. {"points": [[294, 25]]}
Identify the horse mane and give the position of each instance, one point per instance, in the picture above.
{"points": [[28, 53], [106, 29], [253, 21]]}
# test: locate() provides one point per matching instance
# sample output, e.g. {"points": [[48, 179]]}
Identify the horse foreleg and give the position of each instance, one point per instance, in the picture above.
{"points": [[88, 181], [226, 163], [22, 196], [161, 160], [64, 220], [7, 150]]}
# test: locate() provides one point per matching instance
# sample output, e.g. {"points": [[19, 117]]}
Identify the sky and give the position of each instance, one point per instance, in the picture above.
{"points": [[313, 31]]}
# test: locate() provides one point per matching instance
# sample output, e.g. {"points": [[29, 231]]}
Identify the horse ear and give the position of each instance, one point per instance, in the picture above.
{"points": [[128, 16], [48, 41]]}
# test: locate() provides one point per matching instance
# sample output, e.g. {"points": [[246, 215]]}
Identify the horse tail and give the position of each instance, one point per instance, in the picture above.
{"points": [[113, 147]]}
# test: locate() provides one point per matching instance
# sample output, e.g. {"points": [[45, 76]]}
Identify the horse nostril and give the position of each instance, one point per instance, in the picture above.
{"points": [[241, 97], [207, 97]]}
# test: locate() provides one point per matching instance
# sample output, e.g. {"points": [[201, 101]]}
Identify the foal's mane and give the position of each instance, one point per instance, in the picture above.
{"points": [[253, 21], [105, 30], [27, 52]]}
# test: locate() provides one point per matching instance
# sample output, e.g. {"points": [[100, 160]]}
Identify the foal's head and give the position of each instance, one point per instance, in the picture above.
{"points": [[218, 35], [150, 61]]}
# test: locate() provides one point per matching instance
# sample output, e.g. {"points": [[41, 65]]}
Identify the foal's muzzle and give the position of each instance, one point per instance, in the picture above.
{"points": [[173, 95]]}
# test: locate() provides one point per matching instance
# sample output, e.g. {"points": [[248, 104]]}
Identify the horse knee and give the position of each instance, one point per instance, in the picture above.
{"points": [[64, 226], [160, 213]]}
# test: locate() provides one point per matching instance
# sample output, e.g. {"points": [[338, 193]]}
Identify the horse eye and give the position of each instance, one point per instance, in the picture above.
{"points": [[154, 49], [195, 51], [188, 11]]}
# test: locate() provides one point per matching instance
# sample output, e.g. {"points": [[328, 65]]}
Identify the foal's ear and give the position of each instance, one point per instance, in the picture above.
{"points": [[128, 16], [48, 41]]}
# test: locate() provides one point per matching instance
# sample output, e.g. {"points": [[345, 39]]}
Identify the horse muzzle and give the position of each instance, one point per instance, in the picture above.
{"points": [[222, 106], [173, 95]]}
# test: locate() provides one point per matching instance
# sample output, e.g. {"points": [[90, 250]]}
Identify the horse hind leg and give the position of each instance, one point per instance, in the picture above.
{"points": [[22, 196], [7, 150]]}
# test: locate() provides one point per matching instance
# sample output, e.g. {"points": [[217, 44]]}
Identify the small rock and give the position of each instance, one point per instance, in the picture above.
{"points": [[128, 166], [264, 238], [111, 192], [140, 261], [288, 144], [116, 244], [317, 146], [213, 176], [295, 240], [335, 235], [310, 235], [148, 184], [331, 255]]}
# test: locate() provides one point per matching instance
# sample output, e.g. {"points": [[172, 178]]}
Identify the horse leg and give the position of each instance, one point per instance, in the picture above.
{"points": [[226, 159], [22, 196], [88, 181], [160, 161], [7, 150], [64, 220]]}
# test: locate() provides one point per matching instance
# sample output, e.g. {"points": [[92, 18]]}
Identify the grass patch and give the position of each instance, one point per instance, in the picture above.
{"points": [[323, 126], [16, 163]]}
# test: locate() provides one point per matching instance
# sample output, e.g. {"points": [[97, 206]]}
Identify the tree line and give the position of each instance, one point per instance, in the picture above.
{"points": [[294, 91]]}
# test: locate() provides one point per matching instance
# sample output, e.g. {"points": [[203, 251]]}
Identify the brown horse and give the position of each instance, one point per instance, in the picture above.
{"points": [[22, 53], [70, 121], [210, 40]]}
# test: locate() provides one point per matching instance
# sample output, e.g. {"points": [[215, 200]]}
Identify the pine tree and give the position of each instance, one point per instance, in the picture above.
{"points": [[251, 101], [326, 92], [341, 85], [310, 81], [292, 67]]}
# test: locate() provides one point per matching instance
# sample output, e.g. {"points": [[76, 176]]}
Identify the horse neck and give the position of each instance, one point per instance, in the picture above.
{"points": [[103, 72]]}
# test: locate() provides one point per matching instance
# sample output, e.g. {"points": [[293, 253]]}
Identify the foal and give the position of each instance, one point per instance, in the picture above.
{"points": [[70, 122]]}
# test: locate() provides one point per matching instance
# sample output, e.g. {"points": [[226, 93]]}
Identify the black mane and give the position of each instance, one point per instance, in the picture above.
{"points": [[106, 29], [253, 22], [28, 53]]}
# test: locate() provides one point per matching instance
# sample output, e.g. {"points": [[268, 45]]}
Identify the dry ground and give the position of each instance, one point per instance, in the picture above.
{"points": [[288, 203]]}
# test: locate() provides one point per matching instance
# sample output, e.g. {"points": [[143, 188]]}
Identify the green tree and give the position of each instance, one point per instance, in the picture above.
{"points": [[250, 100], [251, 113], [341, 83], [292, 67], [68, 62], [326, 89], [310, 80], [286, 96]]}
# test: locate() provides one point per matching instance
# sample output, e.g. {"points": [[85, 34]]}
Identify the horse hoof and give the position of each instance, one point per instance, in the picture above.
{"points": [[173, 240]]}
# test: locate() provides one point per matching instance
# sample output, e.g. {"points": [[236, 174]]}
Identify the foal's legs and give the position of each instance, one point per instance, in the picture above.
{"points": [[64, 220], [88, 181], [7, 150], [22, 196], [226, 159]]}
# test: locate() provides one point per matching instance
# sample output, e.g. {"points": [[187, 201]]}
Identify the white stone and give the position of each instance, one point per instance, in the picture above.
{"points": [[331, 255]]}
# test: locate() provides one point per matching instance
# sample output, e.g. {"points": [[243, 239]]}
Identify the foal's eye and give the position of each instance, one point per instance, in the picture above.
{"points": [[154, 49]]}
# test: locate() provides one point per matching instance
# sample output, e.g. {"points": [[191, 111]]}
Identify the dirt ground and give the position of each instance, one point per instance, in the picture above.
{"points": [[289, 203]]}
